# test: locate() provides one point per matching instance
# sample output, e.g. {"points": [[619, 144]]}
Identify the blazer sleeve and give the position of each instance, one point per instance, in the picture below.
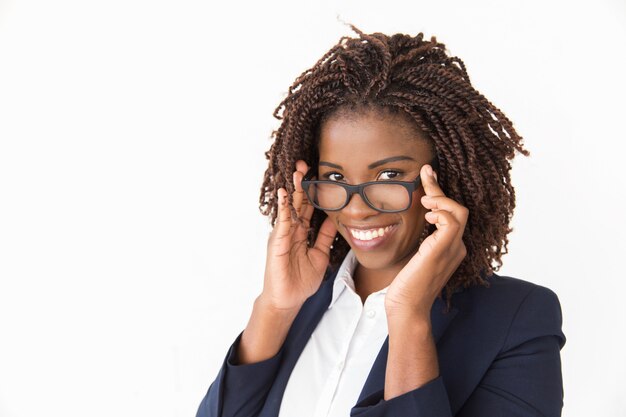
{"points": [[239, 390], [524, 380]]}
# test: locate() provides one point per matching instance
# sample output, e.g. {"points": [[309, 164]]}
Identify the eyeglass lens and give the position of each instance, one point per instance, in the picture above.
{"points": [[381, 196]]}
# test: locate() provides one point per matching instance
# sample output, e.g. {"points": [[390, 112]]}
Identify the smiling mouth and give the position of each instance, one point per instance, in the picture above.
{"points": [[369, 234], [370, 239]]}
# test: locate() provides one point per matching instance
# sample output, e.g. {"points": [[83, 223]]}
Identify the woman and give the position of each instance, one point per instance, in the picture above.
{"points": [[389, 193]]}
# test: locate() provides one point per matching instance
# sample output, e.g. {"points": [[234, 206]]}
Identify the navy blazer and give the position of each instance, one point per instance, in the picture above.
{"points": [[498, 350]]}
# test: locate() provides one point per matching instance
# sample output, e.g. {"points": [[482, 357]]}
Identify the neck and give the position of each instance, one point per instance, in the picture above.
{"points": [[368, 281]]}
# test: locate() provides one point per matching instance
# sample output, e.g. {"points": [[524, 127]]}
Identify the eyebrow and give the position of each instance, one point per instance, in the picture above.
{"points": [[373, 164]]}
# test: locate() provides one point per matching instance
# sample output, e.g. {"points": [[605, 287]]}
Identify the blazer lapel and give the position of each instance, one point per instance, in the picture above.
{"points": [[301, 329], [376, 379]]}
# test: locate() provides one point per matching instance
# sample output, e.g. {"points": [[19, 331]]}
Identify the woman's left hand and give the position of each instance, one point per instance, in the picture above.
{"points": [[417, 285]]}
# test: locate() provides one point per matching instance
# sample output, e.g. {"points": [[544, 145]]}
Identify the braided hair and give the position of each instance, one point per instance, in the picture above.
{"points": [[473, 140]]}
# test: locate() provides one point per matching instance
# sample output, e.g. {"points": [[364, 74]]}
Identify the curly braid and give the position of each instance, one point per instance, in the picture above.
{"points": [[473, 139]]}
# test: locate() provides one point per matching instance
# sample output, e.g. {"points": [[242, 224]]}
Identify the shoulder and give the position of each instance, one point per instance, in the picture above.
{"points": [[519, 309], [505, 293]]}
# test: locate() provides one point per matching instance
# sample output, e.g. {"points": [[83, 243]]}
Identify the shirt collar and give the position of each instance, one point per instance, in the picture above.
{"points": [[344, 277]]}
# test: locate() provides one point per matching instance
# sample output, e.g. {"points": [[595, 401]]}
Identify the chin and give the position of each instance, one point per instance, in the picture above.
{"points": [[374, 259]]}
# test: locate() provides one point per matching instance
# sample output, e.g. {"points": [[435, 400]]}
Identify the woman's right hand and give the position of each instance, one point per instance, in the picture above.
{"points": [[293, 271]]}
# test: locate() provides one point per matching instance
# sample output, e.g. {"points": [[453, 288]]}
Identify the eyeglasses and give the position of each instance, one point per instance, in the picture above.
{"points": [[383, 196]]}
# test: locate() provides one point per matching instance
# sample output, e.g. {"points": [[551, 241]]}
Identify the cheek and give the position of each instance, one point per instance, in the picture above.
{"points": [[340, 230], [332, 215], [414, 217], [416, 204]]}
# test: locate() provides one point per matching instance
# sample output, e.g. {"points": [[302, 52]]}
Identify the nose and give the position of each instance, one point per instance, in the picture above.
{"points": [[357, 208]]}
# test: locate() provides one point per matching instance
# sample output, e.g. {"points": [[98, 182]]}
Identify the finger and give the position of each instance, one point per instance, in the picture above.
{"points": [[307, 212], [448, 228], [299, 197], [283, 220], [326, 236], [435, 203], [429, 181], [302, 230], [302, 166]]}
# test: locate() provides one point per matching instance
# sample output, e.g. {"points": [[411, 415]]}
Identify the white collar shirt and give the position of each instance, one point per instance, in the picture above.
{"points": [[335, 363]]}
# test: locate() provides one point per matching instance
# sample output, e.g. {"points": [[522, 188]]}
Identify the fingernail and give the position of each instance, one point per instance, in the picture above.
{"points": [[429, 171]]}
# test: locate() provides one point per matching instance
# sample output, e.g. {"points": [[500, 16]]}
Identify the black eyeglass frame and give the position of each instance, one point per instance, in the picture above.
{"points": [[410, 186]]}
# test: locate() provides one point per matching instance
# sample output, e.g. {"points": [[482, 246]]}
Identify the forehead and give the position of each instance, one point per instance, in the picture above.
{"points": [[369, 136]]}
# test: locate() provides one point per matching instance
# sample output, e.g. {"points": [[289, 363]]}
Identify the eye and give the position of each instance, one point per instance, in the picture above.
{"points": [[390, 175], [332, 176]]}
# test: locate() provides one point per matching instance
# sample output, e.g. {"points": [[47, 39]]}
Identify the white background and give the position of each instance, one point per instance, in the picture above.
{"points": [[131, 156]]}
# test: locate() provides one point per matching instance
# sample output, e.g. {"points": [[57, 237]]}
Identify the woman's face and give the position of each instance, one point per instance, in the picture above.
{"points": [[352, 149]]}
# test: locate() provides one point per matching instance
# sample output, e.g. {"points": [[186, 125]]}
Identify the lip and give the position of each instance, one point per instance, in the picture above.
{"points": [[375, 242]]}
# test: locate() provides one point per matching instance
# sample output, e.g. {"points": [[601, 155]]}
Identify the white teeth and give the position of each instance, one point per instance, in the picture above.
{"points": [[369, 234]]}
